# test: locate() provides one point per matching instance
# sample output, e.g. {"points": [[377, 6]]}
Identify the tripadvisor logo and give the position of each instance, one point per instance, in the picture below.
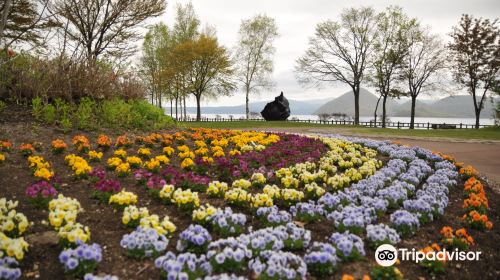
{"points": [[387, 255]]}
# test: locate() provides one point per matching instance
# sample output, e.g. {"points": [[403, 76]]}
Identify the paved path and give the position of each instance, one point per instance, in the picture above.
{"points": [[483, 155]]}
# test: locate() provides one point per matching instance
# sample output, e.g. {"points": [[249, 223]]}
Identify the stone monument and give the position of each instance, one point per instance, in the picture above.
{"points": [[278, 110]]}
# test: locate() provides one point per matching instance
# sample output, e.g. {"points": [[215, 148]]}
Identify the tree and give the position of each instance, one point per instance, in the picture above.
{"points": [[107, 27], [475, 52], [426, 58], [186, 28], [23, 21], [390, 50], [340, 51], [254, 54], [187, 23], [208, 67], [156, 46]]}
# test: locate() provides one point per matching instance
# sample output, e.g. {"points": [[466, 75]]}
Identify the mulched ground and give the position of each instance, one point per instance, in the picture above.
{"points": [[105, 224]]}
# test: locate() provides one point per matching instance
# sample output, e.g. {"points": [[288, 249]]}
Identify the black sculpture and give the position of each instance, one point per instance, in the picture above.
{"points": [[278, 110]]}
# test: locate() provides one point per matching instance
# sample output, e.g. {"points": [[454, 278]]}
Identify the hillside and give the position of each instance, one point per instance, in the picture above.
{"points": [[459, 106], [345, 104]]}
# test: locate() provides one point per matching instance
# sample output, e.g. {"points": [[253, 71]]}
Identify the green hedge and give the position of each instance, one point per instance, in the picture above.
{"points": [[89, 114]]}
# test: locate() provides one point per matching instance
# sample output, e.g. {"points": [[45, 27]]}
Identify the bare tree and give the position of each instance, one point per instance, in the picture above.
{"points": [[6, 7], [254, 55], [426, 58], [105, 26], [340, 52], [24, 21], [475, 52], [390, 50]]}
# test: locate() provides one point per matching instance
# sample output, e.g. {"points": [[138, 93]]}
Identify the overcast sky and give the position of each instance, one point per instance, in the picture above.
{"points": [[296, 20]]}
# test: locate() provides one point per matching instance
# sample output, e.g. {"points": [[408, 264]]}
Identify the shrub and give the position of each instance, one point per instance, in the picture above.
{"points": [[37, 108], [66, 124], [115, 113], [84, 113], [49, 114]]}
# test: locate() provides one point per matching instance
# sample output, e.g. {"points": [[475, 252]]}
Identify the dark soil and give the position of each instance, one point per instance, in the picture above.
{"points": [[42, 260]]}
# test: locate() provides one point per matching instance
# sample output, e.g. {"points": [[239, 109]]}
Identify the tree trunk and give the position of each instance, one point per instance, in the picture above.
{"points": [[185, 110], [478, 114], [171, 108], [180, 108], [176, 106], [198, 108], [247, 100], [412, 115], [384, 112], [355, 89], [376, 109]]}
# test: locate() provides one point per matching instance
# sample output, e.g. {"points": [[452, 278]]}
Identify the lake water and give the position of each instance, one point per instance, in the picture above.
{"points": [[484, 121]]}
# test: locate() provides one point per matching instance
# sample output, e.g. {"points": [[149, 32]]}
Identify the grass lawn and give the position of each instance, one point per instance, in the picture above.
{"points": [[483, 133]]}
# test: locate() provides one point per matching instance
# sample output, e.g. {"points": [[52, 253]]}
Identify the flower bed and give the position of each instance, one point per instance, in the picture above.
{"points": [[269, 206]]}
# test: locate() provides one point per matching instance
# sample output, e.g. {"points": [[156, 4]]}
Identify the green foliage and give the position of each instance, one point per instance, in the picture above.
{"points": [[386, 273], [49, 113], [66, 124], [63, 108], [84, 114], [37, 108], [115, 112], [89, 114]]}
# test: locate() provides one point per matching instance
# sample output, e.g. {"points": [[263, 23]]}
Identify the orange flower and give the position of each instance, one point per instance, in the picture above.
{"points": [[347, 277], [122, 141], [470, 240], [104, 141], [461, 232], [468, 171], [489, 225], [436, 247], [5, 145], [59, 144], [447, 232], [25, 147]]}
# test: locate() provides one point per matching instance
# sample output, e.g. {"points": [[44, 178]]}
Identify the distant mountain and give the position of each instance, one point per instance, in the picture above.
{"points": [[459, 106], [297, 107], [344, 104]]}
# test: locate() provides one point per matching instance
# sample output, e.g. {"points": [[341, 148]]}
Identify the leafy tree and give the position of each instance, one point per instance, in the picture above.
{"points": [[340, 51], [156, 45], [187, 23], [186, 28], [254, 54], [390, 50], [108, 27], [207, 66], [426, 58], [475, 52]]}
